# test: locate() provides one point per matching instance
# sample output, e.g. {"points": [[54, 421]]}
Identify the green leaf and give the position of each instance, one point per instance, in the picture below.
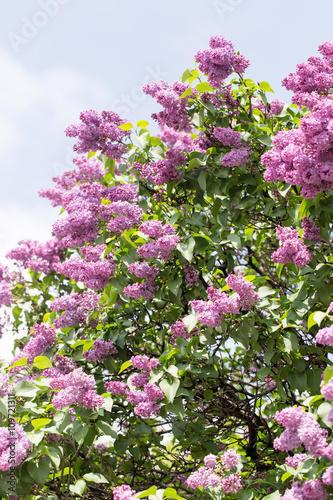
{"points": [[39, 423], [193, 163], [25, 389], [204, 87], [3, 408], [126, 126], [79, 488], [265, 139], [125, 365], [266, 88], [316, 318], [169, 388], [151, 491], [186, 93], [186, 249], [142, 123], [106, 428], [42, 362], [172, 493], [20, 362], [328, 374], [95, 478], [40, 471], [190, 322], [174, 284]]}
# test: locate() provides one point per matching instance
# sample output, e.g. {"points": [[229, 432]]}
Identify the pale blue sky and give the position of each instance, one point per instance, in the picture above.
{"points": [[58, 57]]}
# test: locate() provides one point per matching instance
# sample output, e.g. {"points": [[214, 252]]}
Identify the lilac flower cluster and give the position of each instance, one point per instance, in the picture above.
{"points": [[292, 249], [62, 365], [99, 131], [211, 313], [325, 336], [124, 492], [211, 475], [300, 429], [127, 215], [310, 490], [76, 307], [9, 459], [304, 156], [5, 293], [162, 171], [231, 138], [181, 141], [164, 240], [89, 171], [100, 350], [174, 114], [92, 271], [312, 79], [40, 257], [179, 330], [144, 271], [76, 388], [44, 337], [310, 230], [220, 60], [4, 385], [145, 400], [191, 276], [296, 459]]}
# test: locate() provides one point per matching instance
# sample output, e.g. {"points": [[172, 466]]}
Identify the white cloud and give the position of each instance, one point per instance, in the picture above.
{"points": [[48, 100]]}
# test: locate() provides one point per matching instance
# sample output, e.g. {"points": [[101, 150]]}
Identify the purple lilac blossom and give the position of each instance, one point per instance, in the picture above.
{"points": [[22, 447], [99, 131], [76, 388], [220, 60], [292, 249]]}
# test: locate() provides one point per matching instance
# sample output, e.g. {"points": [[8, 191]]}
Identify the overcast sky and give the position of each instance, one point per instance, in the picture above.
{"points": [[60, 57]]}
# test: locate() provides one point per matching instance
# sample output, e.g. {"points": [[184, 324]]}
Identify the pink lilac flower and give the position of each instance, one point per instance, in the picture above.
{"points": [[312, 77], [140, 290], [127, 215], [182, 141], [292, 249], [210, 461], [296, 459], [325, 336], [161, 171], [76, 307], [99, 131], [143, 270], [191, 276], [124, 492], [310, 230], [100, 350], [76, 388], [92, 271], [228, 136], [301, 428], [179, 330], [203, 477], [327, 390], [5, 294], [220, 60], [4, 385], [327, 477], [236, 157], [62, 366], [142, 362], [232, 483], [245, 290], [304, 156], [44, 337], [230, 459], [174, 114], [160, 248], [117, 388], [276, 106], [13, 452], [40, 257]]}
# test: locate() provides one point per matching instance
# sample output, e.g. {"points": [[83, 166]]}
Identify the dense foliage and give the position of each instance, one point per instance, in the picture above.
{"points": [[177, 330]]}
